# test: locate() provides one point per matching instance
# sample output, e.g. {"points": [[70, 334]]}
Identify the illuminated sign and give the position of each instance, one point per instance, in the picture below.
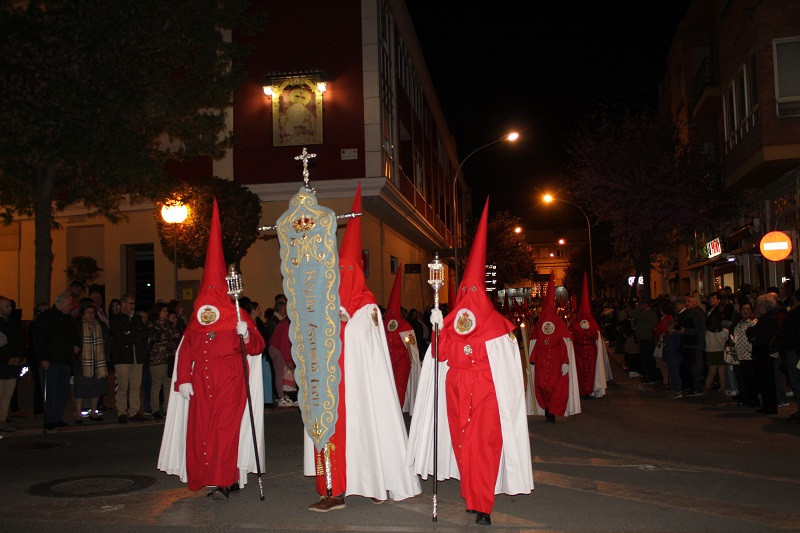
{"points": [[491, 278], [776, 246], [631, 278], [714, 248]]}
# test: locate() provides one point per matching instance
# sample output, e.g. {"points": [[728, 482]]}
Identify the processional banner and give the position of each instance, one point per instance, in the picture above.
{"points": [[310, 268]]}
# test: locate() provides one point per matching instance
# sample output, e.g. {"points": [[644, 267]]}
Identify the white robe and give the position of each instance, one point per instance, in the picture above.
{"points": [[413, 376], [172, 456], [573, 395], [600, 368], [515, 475], [376, 432]]}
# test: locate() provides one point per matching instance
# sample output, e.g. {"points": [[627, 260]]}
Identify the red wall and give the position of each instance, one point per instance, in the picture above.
{"points": [[301, 36]]}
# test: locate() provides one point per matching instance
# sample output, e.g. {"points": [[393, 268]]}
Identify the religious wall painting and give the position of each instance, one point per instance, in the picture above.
{"points": [[296, 112]]}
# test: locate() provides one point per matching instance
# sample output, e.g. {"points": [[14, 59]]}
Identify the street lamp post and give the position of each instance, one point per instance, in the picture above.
{"points": [[513, 136], [548, 198], [175, 213]]}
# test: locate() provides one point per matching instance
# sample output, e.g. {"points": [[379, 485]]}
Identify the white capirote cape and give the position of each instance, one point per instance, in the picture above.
{"points": [[376, 433], [413, 377], [600, 367], [515, 474], [574, 395], [172, 456]]}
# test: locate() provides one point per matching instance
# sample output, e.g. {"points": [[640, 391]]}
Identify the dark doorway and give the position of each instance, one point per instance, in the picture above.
{"points": [[140, 274]]}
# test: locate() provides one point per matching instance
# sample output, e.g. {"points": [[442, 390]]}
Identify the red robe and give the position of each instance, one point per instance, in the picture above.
{"points": [[474, 419], [213, 365], [552, 389], [585, 343], [398, 352]]}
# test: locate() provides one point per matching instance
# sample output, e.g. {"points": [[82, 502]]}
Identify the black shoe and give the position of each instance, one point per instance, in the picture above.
{"points": [[794, 416], [483, 519], [220, 494], [473, 511], [550, 417], [157, 415], [234, 487]]}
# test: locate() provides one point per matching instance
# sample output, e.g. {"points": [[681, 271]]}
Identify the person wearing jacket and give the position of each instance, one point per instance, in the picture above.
{"points": [[57, 340], [128, 352], [763, 336]]}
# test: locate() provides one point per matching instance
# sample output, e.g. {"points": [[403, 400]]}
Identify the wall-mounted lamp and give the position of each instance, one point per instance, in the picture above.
{"points": [[561, 241], [268, 90], [322, 86]]}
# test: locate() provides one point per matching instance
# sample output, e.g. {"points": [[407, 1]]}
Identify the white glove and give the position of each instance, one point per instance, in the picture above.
{"points": [[436, 318], [186, 390], [241, 329], [564, 369]]}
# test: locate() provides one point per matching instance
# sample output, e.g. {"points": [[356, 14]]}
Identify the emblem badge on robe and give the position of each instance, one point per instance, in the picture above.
{"points": [[548, 328], [584, 324], [207, 315], [392, 325], [375, 318], [465, 321], [309, 264]]}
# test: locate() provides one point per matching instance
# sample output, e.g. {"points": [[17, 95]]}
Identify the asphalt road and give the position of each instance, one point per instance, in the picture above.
{"points": [[633, 460]]}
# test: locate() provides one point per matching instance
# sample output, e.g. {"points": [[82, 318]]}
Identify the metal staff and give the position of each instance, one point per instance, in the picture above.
{"points": [[436, 280], [234, 289]]}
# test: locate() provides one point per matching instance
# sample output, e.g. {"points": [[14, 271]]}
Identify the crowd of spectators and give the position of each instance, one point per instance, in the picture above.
{"points": [[743, 344]]}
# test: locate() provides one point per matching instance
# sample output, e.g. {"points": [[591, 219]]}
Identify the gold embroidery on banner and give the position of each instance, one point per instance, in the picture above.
{"points": [[304, 215], [467, 349], [411, 339], [304, 223]]}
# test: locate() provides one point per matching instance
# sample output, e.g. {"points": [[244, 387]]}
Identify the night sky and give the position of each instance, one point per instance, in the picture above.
{"points": [[536, 67]]}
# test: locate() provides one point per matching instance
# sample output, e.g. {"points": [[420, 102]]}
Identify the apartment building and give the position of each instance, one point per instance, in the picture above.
{"points": [[733, 82]]}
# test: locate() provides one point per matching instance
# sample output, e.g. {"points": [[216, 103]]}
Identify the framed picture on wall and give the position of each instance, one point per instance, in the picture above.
{"points": [[296, 112]]}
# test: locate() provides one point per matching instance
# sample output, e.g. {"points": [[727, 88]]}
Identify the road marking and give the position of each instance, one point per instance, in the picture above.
{"points": [[735, 511]]}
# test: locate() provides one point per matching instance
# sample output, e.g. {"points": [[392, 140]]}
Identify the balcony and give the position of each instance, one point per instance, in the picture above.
{"points": [[705, 91]]}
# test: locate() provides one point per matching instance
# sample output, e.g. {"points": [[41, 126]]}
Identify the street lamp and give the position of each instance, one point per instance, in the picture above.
{"points": [[548, 198], [513, 136], [175, 213]]}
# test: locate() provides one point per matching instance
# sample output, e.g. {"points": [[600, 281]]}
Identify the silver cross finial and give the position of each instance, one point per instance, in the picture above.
{"points": [[304, 157]]}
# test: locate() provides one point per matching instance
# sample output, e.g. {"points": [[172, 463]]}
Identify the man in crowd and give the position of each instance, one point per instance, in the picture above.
{"points": [[128, 352], [10, 358], [692, 327], [644, 320], [58, 340]]}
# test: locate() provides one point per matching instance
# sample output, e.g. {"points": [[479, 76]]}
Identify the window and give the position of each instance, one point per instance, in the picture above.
{"points": [[419, 172], [394, 264], [740, 103], [561, 252], [787, 76]]}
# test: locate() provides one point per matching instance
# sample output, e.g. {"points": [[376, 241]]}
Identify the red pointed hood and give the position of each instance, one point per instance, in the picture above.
{"points": [[393, 307], [213, 309], [474, 318], [550, 325], [353, 291], [585, 319]]}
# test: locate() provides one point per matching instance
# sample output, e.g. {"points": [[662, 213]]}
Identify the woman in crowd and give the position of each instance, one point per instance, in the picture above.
{"points": [[666, 312], [90, 380], [743, 355], [163, 336]]}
